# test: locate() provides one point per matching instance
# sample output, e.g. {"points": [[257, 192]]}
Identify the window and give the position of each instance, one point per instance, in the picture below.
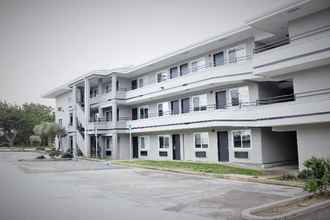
{"points": [[175, 107], [185, 105], [218, 59], [199, 103], [201, 140], [234, 97], [144, 112], [184, 69], [93, 92], [134, 84], [71, 119], [163, 142], [241, 143], [134, 113], [242, 139], [236, 54], [140, 83], [143, 145], [174, 72], [197, 65], [108, 115], [239, 96], [162, 76], [163, 108]]}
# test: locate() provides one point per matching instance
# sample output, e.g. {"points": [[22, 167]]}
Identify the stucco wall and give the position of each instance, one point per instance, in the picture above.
{"points": [[307, 24], [313, 140]]}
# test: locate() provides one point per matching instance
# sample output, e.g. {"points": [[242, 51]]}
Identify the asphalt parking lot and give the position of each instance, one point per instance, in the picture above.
{"points": [[94, 190]]}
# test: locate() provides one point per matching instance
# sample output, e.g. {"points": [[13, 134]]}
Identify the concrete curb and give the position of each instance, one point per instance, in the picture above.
{"points": [[237, 177], [300, 213]]}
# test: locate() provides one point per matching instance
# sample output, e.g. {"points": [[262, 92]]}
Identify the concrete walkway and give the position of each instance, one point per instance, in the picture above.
{"points": [[93, 190]]}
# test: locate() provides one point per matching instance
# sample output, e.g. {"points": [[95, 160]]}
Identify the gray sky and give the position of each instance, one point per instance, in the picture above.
{"points": [[44, 43]]}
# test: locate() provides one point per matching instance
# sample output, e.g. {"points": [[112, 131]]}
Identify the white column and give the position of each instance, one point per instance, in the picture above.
{"points": [[115, 147], [74, 116], [87, 115]]}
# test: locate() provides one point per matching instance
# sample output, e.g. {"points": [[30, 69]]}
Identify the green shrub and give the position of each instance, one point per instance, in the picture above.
{"points": [[317, 175], [54, 153], [40, 148]]}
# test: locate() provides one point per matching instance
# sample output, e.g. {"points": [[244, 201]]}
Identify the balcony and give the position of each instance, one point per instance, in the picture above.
{"points": [[105, 97], [296, 56], [275, 111], [201, 77], [103, 125]]}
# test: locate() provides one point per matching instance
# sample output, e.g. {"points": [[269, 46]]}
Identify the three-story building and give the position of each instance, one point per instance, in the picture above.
{"points": [[257, 95]]}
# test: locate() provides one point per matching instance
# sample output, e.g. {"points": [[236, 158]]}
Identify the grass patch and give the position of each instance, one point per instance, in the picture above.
{"points": [[192, 166]]}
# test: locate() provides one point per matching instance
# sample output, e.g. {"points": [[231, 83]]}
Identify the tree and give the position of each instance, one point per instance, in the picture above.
{"points": [[47, 131], [17, 122], [11, 122]]}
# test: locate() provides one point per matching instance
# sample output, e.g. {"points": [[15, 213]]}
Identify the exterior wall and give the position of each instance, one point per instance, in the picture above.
{"points": [[303, 28], [312, 81], [187, 148], [313, 141], [278, 147]]}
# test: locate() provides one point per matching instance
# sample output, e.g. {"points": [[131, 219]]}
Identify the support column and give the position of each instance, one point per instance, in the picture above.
{"points": [[74, 116], [87, 115], [115, 147]]}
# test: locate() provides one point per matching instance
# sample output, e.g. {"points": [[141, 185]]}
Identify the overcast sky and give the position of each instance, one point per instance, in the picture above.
{"points": [[44, 43]]}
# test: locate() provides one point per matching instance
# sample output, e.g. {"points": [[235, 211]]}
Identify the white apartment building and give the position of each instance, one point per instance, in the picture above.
{"points": [[257, 95]]}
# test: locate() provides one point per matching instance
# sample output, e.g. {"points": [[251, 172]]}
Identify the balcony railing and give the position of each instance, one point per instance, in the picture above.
{"points": [[207, 66], [271, 45], [241, 105]]}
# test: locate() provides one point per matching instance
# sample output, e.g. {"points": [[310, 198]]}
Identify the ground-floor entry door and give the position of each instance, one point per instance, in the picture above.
{"points": [[176, 147], [223, 152], [135, 145]]}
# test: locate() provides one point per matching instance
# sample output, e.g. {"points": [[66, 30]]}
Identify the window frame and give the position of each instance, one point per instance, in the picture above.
{"points": [[146, 143], [169, 142], [139, 113], [139, 84], [241, 148], [200, 107], [201, 134], [241, 99], [163, 73], [198, 68], [236, 48]]}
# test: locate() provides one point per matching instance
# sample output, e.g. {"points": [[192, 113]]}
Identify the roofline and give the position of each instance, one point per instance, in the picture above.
{"points": [[279, 10], [222, 36]]}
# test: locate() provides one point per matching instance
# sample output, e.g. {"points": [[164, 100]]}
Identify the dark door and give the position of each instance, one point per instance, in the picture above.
{"points": [[135, 147], [220, 99], [185, 103], [134, 113], [134, 84], [176, 147], [223, 153], [175, 107]]}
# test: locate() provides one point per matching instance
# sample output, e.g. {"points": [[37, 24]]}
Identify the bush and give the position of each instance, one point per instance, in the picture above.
{"points": [[67, 155], [317, 175], [54, 153], [35, 140], [40, 148]]}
